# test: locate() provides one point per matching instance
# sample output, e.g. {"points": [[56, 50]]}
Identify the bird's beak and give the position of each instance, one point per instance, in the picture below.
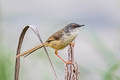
{"points": [[82, 25]]}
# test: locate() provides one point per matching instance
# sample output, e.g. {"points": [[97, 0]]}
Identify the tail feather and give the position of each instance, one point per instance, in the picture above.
{"points": [[31, 50]]}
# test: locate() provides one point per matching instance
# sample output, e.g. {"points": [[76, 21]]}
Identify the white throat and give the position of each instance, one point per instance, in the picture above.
{"points": [[74, 31]]}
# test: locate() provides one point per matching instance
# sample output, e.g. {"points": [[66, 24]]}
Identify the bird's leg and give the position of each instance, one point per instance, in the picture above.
{"points": [[56, 52], [72, 44]]}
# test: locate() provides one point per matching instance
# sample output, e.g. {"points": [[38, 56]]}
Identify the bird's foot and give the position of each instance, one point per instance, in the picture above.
{"points": [[72, 44]]}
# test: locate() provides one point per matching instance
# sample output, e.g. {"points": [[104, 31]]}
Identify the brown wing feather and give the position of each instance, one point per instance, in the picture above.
{"points": [[55, 36]]}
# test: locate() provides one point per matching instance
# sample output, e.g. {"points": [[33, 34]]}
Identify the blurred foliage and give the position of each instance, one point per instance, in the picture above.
{"points": [[106, 53], [6, 65], [110, 74], [110, 59]]}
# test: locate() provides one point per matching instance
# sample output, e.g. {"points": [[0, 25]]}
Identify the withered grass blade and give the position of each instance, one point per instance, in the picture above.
{"points": [[21, 38]]}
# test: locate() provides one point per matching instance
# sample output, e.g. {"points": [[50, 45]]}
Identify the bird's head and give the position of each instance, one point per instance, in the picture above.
{"points": [[72, 27]]}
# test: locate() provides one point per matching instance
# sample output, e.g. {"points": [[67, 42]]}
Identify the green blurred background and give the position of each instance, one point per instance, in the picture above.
{"points": [[97, 45]]}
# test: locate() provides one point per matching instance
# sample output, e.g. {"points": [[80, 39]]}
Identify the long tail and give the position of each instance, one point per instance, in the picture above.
{"points": [[31, 50]]}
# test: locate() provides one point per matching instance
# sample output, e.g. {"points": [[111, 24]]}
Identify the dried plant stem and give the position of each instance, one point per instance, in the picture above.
{"points": [[71, 70], [17, 64]]}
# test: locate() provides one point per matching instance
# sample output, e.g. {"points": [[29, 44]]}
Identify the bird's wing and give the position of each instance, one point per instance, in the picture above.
{"points": [[55, 36]]}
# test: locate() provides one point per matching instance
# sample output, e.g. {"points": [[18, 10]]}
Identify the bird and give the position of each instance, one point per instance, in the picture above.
{"points": [[58, 41]]}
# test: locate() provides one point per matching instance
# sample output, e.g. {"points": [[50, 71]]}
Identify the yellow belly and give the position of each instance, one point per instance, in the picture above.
{"points": [[63, 42]]}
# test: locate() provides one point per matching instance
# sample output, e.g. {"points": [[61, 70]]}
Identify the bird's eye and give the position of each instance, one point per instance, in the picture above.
{"points": [[74, 26]]}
